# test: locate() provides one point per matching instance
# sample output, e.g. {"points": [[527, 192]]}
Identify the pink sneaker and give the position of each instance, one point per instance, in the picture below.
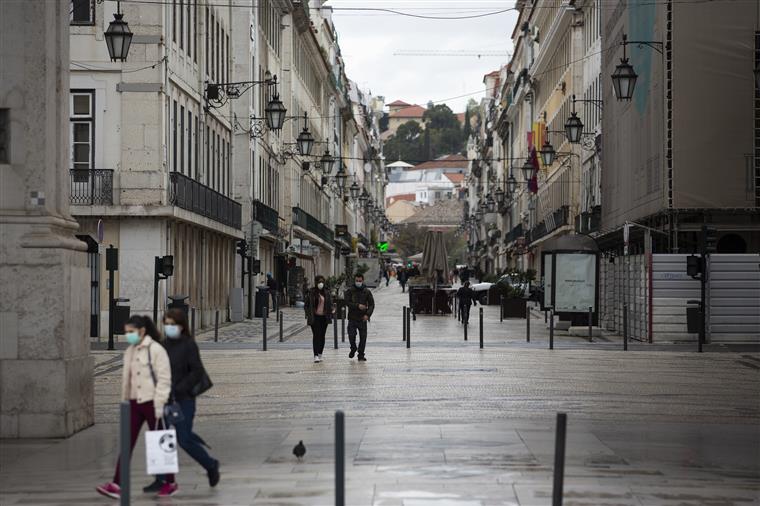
{"points": [[168, 489], [110, 489]]}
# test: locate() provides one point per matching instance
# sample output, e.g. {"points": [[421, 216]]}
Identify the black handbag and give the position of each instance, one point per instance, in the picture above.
{"points": [[203, 385], [172, 412]]}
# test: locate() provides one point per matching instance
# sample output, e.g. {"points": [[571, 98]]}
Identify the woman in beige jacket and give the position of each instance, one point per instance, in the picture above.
{"points": [[146, 384]]}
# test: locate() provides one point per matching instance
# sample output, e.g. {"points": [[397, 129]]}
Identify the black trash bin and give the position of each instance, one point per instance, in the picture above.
{"points": [[178, 302], [261, 304], [120, 316], [693, 317]]}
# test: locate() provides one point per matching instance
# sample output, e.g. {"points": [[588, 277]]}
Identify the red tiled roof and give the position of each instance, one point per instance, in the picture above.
{"points": [[410, 197], [412, 111], [461, 117], [445, 162], [398, 103], [455, 177]]}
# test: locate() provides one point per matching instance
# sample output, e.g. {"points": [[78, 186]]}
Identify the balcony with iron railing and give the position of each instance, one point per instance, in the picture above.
{"points": [[189, 194], [311, 224], [268, 217], [90, 187]]}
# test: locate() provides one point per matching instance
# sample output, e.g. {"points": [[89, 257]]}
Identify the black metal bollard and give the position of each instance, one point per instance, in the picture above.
{"points": [[527, 324], [125, 449], [403, 323], [192, 320], [408, 328], [279, 317], [343, 325], [625, 327], [335, 330], [340, 455], [264, 327], [414, 314], [481, 327], [216, 326], [559, 459], [501, 309], [546, 311], [465, 331], [590, 324], [551, 329]]}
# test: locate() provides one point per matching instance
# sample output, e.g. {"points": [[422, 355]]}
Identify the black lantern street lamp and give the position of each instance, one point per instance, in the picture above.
{"points": [[624, 77], [118, 37], [573, 127], [511, 184], [364, 198], [275, 113], [326, 162], [500, 197], [527, 170], [548, 154], [354, 190], [490, 204], [305, 140], [340, 178], [480, 213]]}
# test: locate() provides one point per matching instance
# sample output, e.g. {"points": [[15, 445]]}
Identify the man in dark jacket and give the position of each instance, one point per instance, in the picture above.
{"points": [[274, 290], [360, 305], [467, 298]]}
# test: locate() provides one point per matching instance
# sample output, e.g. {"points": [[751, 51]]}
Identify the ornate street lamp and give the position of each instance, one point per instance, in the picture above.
{"points": [[326, 162], [548, 154], [354, 190], [573, 126], [527, 170], [500, 196], [511, 184], [364, 198], [118, 37], [490, 204], [340, 178], [305, 141], [624, 77], [275, 113]]}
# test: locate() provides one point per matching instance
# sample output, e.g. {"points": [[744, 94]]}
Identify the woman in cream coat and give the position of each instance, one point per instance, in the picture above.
{"points": [[146, 384]]}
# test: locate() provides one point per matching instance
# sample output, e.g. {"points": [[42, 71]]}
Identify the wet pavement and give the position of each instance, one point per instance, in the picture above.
{"points": [[443, 423]]}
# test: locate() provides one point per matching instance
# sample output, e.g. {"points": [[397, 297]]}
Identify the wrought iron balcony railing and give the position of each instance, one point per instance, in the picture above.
{"points": [[308, 222], [193, 196], [268, 217], [91, 187]]}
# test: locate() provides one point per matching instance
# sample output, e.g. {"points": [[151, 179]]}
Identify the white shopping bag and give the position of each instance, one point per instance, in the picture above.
{"points": [[161, 451]]}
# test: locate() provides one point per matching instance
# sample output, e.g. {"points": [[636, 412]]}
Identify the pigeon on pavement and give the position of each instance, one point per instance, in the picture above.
{"points": [[299, 450]]}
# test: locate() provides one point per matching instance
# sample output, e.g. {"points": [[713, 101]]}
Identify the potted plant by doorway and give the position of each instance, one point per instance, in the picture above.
{"points": [[513, 286]]}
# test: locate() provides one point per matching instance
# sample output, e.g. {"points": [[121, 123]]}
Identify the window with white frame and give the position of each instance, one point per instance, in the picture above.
{"points": [[82, 133]]}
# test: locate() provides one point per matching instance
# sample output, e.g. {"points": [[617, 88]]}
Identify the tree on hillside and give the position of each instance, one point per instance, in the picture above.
{"points": [[442, 135], [406, 143]]}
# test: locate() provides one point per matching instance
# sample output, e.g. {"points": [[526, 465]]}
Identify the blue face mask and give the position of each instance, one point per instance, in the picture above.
{"points": [[132, 337], [171, 331]]}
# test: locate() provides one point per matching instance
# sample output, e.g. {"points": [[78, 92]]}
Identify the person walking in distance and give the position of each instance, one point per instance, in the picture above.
{"points": [[319, 309], [146, 381], [467, 298], [187, 374], [274, 290], [360, 305], [401, 274]]}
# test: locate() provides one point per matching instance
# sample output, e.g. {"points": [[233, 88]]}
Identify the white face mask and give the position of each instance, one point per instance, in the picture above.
{"points": [[320, 285], [172, 331], [358, 284]]}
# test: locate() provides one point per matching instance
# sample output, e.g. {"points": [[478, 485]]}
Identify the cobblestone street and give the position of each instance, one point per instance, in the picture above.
{"points": [[443, 423]]}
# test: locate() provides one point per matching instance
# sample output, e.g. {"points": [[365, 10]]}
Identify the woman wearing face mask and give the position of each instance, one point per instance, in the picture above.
{"points": [[146, 382], [187, 371], [319, 309]]}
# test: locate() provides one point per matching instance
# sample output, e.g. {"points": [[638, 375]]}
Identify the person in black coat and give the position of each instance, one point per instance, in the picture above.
{"points": [[467, 298], [319, 310], [187, 372]]}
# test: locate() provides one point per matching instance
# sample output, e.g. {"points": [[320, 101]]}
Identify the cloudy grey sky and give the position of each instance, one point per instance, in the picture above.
{"points": [[369, 39]]}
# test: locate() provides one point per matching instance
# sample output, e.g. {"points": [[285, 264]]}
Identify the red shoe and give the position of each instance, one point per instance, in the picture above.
{"points": [[168, 489], [110, 489]]}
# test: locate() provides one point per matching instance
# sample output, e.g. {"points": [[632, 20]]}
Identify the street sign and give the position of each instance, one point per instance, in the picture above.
{"points": [[382, 246]]}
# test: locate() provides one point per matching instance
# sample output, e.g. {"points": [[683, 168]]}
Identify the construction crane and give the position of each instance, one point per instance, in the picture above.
{"points": [[445, 52]]}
